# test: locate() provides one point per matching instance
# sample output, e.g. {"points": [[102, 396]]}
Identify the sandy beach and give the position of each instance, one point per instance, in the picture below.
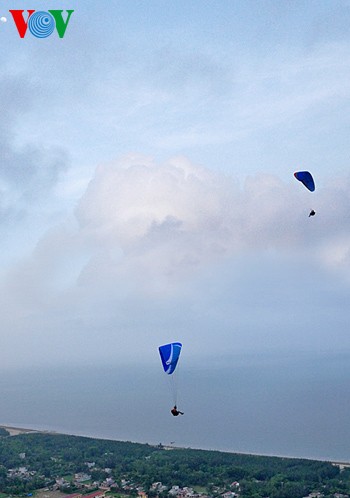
{"points": [[14, 431]]}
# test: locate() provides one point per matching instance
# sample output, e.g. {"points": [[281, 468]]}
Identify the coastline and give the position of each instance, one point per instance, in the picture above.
{"points": [[15, 431]]}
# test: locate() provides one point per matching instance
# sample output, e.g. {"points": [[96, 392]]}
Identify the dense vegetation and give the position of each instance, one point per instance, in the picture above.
{"points": [[49, 456]]}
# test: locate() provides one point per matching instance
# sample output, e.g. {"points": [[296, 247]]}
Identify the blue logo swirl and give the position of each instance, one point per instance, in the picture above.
{"points": [[41, 24]]}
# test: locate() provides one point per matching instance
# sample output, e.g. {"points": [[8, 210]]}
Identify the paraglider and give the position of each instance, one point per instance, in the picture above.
{"points": [[305, 177], [176, 412], [169, 355]]}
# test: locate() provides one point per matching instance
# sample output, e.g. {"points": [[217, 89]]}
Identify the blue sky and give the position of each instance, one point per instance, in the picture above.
{"points": [[236, 86], [146, 182]]}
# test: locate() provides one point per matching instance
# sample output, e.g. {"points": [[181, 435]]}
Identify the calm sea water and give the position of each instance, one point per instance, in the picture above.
{"points": [[291, 406]]}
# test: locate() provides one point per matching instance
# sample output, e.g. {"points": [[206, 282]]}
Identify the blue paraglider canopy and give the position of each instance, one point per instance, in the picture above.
{"points": [[169, 354], [306, 178]]}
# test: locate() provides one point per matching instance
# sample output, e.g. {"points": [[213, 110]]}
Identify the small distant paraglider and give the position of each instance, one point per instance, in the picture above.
{"points": [[169, 354], [305, 177], [174, 411]]}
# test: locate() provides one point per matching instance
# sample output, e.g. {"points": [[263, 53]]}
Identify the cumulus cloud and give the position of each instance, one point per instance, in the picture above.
{"points": [[136, 198], [173, 217], [172, 247], [149, 226]]}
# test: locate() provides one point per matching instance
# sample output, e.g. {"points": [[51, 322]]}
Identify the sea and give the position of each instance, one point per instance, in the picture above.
{"points": [[293, 405]]}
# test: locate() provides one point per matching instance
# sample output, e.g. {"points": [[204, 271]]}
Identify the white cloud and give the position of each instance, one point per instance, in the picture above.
{"points": [[138, 202], [169, 218], [173, 247]]}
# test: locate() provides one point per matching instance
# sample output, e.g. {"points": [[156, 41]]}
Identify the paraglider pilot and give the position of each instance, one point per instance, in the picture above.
{"points": [[176, 412]]}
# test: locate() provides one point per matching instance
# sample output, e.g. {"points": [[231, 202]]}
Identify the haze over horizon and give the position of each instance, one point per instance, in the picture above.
{"points": [[147, 195]]}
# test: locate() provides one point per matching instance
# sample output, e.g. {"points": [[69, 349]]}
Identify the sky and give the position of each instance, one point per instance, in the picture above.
{"points": [[147, 191]]}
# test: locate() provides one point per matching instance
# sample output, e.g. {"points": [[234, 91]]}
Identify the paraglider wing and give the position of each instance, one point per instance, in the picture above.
{"points": [[306, 178], [169, 354]]}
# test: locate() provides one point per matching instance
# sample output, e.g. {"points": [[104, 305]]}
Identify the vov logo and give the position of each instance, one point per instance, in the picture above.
{"points": [[40, 23]]}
